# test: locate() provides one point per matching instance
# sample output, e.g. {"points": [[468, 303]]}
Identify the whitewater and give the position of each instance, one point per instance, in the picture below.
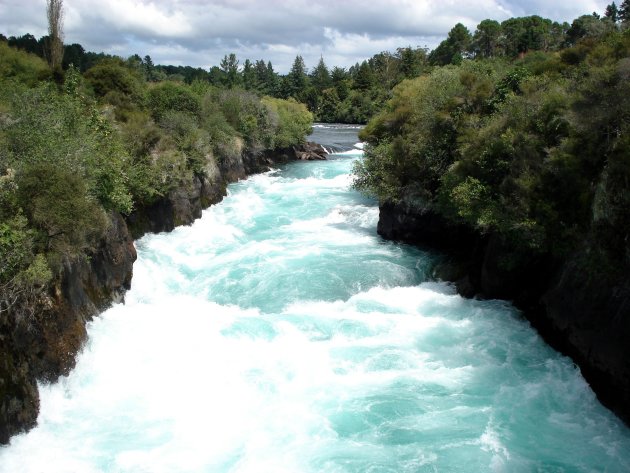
{"points": [[280, 333]]}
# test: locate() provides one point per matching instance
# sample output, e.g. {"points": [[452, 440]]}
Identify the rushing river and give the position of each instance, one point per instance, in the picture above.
{"points": [[279, 333]]}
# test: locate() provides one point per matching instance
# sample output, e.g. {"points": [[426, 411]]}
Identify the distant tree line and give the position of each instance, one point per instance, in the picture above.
{"points": [[355, 94]]}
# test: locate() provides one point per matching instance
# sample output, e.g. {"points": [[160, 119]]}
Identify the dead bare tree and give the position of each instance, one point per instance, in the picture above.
{"points": [[54, 12]]}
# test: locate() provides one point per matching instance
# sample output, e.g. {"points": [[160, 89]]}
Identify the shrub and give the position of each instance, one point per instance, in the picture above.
{"points": [[170, 96]]}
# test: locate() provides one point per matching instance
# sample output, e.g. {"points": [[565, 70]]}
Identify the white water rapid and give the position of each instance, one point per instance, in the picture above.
{"points": [[280, 333]]}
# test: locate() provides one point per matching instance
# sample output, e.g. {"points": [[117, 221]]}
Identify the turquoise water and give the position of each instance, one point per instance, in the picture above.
{"points": [[279, 333]]}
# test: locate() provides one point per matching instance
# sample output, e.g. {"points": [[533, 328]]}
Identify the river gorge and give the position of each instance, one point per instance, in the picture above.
{"points": [[279, 332]]}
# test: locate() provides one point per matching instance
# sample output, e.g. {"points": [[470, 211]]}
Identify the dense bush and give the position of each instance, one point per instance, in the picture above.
{"points": [[535, 150], [171, 96], [293, 121], [26, 69], [107, 141]]}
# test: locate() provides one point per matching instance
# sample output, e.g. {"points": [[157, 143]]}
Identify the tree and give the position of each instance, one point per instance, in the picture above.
{"points": [[229, 66], [329, 107], [411, 61], [169, 96], [624, 11], [320, 77], [271, 79], [585, 26], [452, 49], [28, 43], [73, 55], [364, 79], [339, 78], [521, 35], [54, 53], [386, 68], [149, 68], [250, 81], [612, 12], [297, 79], [485, 42]]}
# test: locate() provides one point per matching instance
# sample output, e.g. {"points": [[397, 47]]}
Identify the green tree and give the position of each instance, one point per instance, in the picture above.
{"points": [[28, 43], [364, 78], [320, 76], [229, 66], [57, 202], [115, 83], [169, 96], [624, 11], [27, 69], [386, 67], [453, 48], [339, 79], [521, 35], [216, 76], [297, 79], [149, 69], [585, 26], [612, 12], [329, 107], [293, 121], [74, 55], [485, 41], [411, 61], [250, 81]]}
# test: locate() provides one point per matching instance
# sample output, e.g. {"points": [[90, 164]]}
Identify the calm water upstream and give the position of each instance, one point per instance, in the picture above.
{"points": [[279, 333]]}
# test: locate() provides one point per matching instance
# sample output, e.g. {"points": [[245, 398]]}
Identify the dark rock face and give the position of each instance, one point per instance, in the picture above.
{"points": [[585, 316], [590, 318], [185, 202], [45, 347]]}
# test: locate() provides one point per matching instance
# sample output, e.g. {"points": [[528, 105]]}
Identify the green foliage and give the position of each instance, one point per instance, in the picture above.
{"points": [[24, 274], [535, 151], [293, 121], [112, 78], [51, 127], [170, 96], [21, 67], [486, 40], [57, 204], [230, 69], [67, 158], [453, 49]]}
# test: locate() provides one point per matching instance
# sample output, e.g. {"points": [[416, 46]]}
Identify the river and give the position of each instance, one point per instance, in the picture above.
{"points": [[280, 333]]}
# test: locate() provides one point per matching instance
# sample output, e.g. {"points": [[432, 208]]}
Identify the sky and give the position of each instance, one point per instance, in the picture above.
{"points": [[200, 32]]}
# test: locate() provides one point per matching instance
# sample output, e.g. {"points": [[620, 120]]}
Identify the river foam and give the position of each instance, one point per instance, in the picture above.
{"points": [[279, 333]]}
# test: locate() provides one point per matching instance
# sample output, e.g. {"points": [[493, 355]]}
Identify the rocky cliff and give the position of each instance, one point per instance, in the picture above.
{"points": [[44, 347], [582, 312]]}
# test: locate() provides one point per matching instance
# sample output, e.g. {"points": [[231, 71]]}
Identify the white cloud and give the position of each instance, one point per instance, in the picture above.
{"points": [[200, 33]]}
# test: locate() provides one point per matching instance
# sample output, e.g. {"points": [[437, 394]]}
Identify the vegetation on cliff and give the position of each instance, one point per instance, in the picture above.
{"points": [[534, 149], [74, 147]]}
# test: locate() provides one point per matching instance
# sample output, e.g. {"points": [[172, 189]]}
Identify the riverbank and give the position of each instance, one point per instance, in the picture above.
{"points": [[45, 347], [582, 314]]}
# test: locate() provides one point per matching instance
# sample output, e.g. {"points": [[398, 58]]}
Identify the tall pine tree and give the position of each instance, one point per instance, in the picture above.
{"points": [[612, 12], [624, 11]]}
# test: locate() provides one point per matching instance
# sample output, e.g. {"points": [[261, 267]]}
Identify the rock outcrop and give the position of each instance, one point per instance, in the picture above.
{"points": [[45, 347], [580, 313], [185, 202]]}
